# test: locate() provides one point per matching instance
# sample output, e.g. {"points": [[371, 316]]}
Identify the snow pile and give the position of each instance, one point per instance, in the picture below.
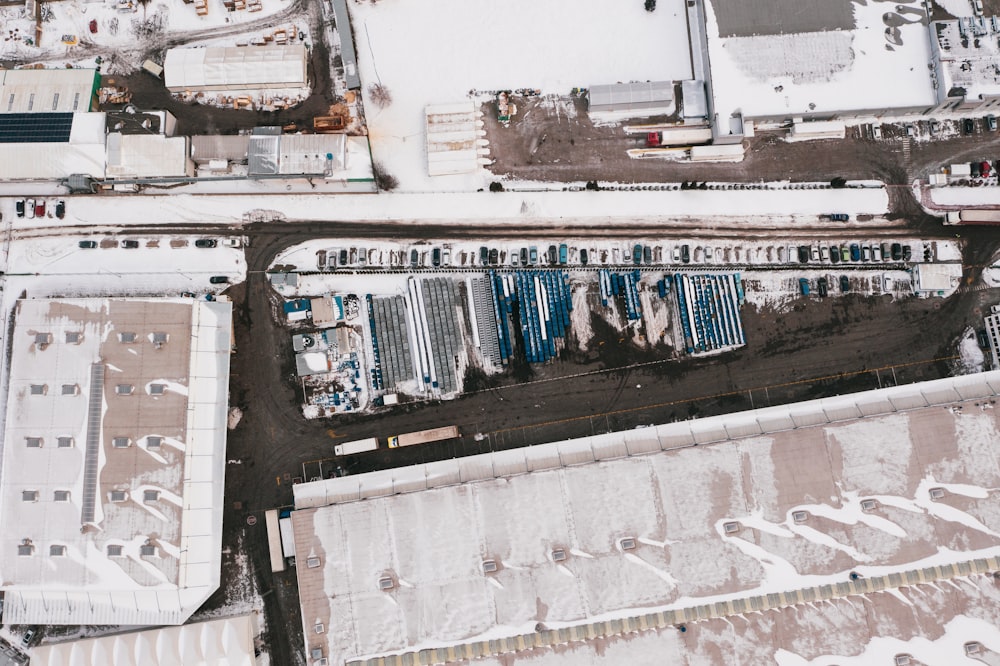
{"points": [[970, 357]]}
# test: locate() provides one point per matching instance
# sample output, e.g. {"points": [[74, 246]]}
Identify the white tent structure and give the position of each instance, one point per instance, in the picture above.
{"points": [[225, 642], [235, 68]]}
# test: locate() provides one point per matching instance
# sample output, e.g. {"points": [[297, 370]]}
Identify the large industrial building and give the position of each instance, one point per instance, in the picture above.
{"points": [[868, 525], [113, 460], [48, 90]]}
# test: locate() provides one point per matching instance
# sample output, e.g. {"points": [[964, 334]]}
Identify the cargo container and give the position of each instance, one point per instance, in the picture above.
{"points": [[359, 446], [424, 436], [274, 540]]}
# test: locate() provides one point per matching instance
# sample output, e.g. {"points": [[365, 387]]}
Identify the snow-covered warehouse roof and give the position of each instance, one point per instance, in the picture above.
{"points": [[783, 505], [48, 90], [114, 460], [311, 153], [224, 642], [639, 96], [148, 156], [455, 138], [237, 68], [57, 158]]}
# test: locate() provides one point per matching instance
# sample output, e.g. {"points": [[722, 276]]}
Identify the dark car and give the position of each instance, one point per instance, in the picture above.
{"points": [[637, 254], [494, 257], [436, 257], [823, 287], [60, 209], [647, 254], [968, 126], [803, 254], [840, 217], [524, 256], [188, 294], [685, 254], [553, 254], [19, 207], [130, 244], [845, 284], [40, 208], [897, 251], [218, 279], [206, 242], [834, 254], [907, 253], [93, 26], [886, 252], [414, 258], [974, 170], [484, 255], [855, 252], [584, 257], [343, 257], [87, 245], [984, 339]]}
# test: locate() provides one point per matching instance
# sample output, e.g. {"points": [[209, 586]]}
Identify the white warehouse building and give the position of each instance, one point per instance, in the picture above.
{"points": [[235, 68]]}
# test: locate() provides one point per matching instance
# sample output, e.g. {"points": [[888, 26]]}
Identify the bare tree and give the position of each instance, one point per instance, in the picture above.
{"points": [[380, 95]]}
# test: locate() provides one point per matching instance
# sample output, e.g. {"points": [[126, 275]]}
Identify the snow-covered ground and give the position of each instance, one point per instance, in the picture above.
{"points": [[489, 45], [765, 207], [965, 196], [823, 72]]}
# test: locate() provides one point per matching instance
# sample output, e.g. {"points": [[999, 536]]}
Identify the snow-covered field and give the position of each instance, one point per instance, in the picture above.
{"points": [[488, 45], [965, 196], [822, 72]]}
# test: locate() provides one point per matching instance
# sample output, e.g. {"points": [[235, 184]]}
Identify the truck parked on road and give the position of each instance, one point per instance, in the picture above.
{"points": [[359, 446], [424, 436], [804, 286]]}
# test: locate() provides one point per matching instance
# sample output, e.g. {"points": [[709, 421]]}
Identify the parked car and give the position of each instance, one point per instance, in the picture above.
{"points": [[206, 242], [188, 294], [803, 254], [524, 256], [647, 254], [29, 636], [29, 208], [991, 122], [676, 254], [40, 208], [907, 253], [343, 256], [218, 279], [563, 253], [876, 252], [60, 209], [839, 217], [845, 284], [824, 253], [436, 257], [93, 26], [553, 254], [845, 253], [533, 255], [814, 253], [821, 284], [584, 257], [513, 258], [855, 252], [984, 169], [494, 256], [935, 126], [984, 339], [19, 207], [886, 252], [414, 258], [87, 244], [897, 251], [804, 286], [637, 254], [975, 170], [685, 254], [130, 244], [866, 253], [968, 126], [834, 254]]}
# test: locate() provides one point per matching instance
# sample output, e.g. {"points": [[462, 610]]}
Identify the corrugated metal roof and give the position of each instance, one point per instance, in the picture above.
{"points": [[311, 153], [47, 90], [245, 68], [232, 148], [262, 155], [629, 96]]}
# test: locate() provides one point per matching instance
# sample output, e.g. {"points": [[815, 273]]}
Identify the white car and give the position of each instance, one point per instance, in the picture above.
{"points": [[29, 209]]}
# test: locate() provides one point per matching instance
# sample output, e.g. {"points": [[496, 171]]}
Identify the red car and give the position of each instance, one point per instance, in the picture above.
{"points": [[93, 26], [985, 169], [39, 208]]}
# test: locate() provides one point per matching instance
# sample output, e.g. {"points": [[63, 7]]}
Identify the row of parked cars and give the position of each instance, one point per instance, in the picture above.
{"points": [[131, 244], [854, 252], [32, 208]]}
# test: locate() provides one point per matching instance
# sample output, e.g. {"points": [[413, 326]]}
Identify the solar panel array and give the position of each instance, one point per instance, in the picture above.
{"points": [[35, 127]]}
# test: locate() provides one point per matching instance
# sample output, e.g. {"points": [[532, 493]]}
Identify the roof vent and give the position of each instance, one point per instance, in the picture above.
{"points": [[936, 493], [72, 337], [628, 543], [869, 505], [316, 653], [26, 548], [313, 562], [43, 339], [800, 516], [490, 566], [973, 647], [386, 583], [731, 527], [147, 550], [903, 660], [319, 628], [558, 555]]}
